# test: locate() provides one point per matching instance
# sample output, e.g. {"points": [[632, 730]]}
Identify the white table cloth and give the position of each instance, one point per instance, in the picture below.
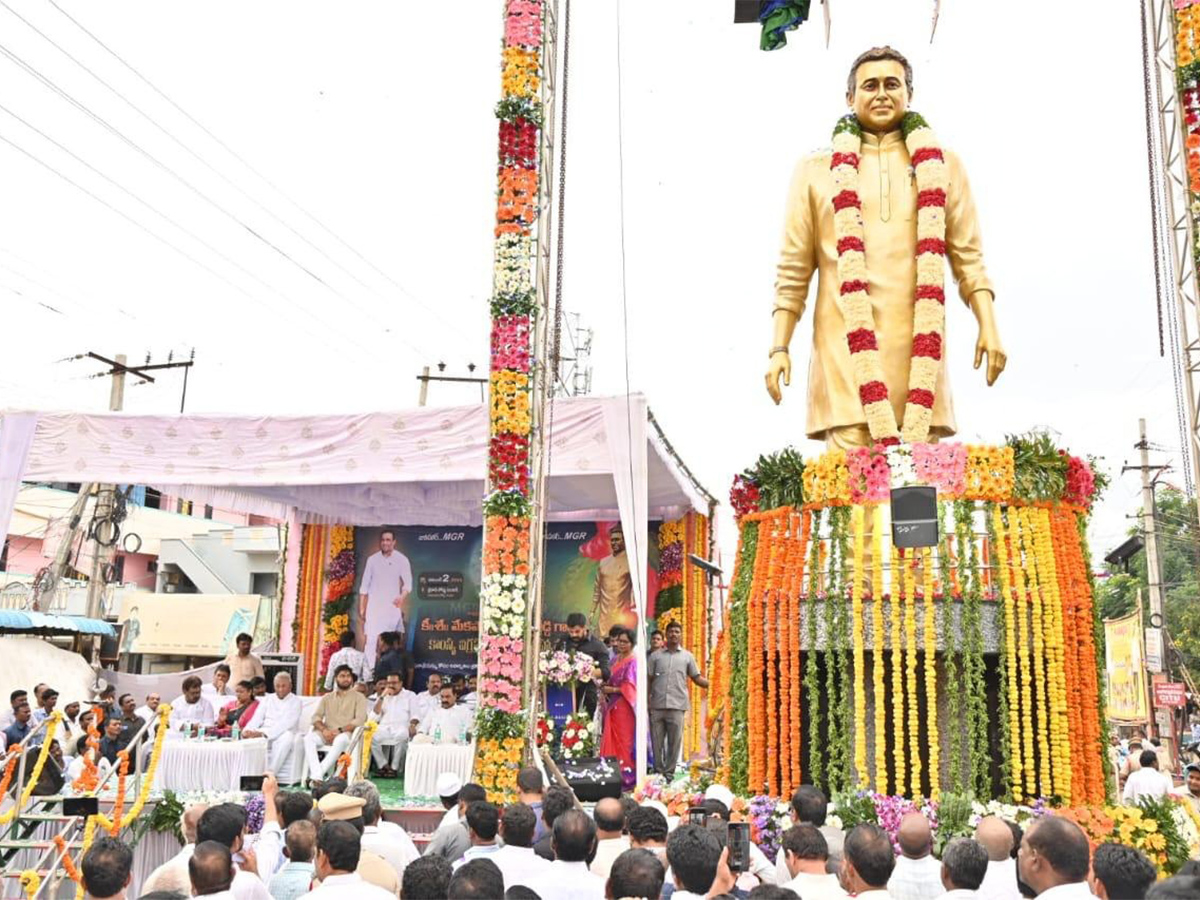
{"points": [[193, 765], [426, 762]]}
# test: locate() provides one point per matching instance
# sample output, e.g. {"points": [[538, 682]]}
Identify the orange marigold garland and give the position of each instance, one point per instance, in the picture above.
{"points": [[1010, 652]]}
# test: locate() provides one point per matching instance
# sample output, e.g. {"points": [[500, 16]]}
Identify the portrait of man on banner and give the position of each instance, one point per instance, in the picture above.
{"points": [[612, 596], [387, 582]]}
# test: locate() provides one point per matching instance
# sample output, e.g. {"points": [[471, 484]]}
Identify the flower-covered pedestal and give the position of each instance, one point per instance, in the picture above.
{"points": [[969, 666]]}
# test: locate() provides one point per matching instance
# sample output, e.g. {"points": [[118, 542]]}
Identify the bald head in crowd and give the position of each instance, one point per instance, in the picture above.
{"points": [[996, 837], [210, 868], [190, 819], [915, 837], [301, 841]]}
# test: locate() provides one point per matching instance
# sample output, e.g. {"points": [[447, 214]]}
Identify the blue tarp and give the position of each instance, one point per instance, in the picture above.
{"points": [[21, 620]]}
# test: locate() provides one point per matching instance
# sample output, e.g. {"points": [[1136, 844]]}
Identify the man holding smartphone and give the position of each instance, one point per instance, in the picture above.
{"points": [[394, 711]]}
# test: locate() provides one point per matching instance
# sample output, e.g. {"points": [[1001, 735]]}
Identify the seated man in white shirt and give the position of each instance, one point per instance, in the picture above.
{"points": [[964, 865], [276, 719], [1054, 859], [218, 692], [190, 710], [149, 711], [1146, 781], [394, 711], [806, 853], [448, 723], [430, 698]]}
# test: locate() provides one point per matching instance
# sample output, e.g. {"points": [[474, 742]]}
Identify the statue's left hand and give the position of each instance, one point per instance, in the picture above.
{"points": [[989, 344]]}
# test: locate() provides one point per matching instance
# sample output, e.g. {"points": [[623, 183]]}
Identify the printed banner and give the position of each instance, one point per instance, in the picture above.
{"points": [[1124, 670], [424, 581], [186, 624]]}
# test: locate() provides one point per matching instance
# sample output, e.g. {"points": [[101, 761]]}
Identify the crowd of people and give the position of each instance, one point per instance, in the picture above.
{"points": [[334, 843]]}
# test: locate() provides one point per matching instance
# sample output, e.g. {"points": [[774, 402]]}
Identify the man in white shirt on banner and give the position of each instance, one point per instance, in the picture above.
{"points": [[387, 581], [448, 723], [276, 719], [190, 709], [394, 711], [350, 656]]}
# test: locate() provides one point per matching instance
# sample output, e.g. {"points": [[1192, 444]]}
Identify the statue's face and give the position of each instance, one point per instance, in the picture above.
{"points": [[880, 97]]}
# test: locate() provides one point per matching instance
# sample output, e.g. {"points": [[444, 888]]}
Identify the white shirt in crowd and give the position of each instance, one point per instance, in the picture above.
{"points": [[198, 713], [248, 886], [958, 894], [349, 887], [453, 722], [274, 717], [816, 887], [398, 710], [520, 865], [209, 691], [397, 850], [173, 874], [1076, 890], [1146, 782], [607, 852], [355, 659], [146, 714], [916, 879], [570, 881], [424, 703], [1000, 882]]}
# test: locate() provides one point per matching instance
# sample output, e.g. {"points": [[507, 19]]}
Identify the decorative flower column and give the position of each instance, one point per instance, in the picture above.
{"points": [[504, 601]]}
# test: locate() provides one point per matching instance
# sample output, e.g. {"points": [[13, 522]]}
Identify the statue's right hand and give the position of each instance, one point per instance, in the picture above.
{"points": [[781, 364]]}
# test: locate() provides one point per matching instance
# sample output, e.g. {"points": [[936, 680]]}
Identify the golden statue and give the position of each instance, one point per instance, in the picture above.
{"points": [[876, 218]]}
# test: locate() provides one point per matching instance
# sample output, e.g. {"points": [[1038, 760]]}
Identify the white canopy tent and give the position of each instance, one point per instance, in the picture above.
{"points": [[425, 466]]}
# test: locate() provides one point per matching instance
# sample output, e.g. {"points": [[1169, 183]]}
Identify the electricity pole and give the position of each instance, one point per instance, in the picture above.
{"points": [[1150, 529], [103, 556]]}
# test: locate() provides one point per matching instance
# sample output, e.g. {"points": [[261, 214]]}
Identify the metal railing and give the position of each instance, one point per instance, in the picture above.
{"points": [[47, 865]]}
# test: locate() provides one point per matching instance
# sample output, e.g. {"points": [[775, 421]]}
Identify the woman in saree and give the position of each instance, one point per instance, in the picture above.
{"points": [[620, 693], [240, 710]]}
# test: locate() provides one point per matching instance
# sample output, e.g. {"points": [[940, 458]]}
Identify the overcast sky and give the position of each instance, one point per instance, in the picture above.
{"points": [[373, 120]]}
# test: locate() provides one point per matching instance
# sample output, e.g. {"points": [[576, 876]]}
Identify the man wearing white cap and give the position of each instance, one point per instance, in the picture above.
{"points": [[369, 867], [448, 786]]}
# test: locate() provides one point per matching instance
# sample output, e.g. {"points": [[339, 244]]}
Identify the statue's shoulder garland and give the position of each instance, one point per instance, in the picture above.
{"points": [[929, 314]]}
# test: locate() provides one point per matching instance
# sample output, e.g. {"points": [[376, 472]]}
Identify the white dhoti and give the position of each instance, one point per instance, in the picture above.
{"points": [[389, 746], [319, 768], [279, 752]]}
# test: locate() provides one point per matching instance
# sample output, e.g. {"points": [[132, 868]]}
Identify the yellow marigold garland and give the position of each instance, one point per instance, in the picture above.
{"points": [[932, 740], [115, 824], [1010, 652], [368, 736], [857, 628], [1040, 676], [897, 646], [877, 643], [30, 882], [1025, 662], [910, 676]]}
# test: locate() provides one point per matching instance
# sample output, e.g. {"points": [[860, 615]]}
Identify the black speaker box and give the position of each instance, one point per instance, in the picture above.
{"points": [[593, 778]]}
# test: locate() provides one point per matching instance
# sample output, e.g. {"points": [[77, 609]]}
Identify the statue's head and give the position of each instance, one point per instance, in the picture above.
{"points": [[879, 89]]}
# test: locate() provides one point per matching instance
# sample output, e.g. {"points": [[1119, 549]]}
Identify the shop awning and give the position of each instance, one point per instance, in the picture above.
{"points": [[22, 620]]}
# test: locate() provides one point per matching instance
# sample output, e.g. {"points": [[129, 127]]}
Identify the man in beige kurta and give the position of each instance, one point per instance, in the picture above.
{"points": [[888, 190]]}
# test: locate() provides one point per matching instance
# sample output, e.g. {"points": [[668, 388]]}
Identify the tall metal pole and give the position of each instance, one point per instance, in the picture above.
{"points": [[103, 556], [1150, 531]]}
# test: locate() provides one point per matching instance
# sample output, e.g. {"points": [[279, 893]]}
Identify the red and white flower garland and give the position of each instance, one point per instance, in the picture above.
{"points": [[929, 311]]}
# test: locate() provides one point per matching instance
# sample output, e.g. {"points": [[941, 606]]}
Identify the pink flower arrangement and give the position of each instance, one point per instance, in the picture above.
{"points": [[501, 657], [523, 24], [510, 343], [870, 475], [942, 465], [1081, 482]]}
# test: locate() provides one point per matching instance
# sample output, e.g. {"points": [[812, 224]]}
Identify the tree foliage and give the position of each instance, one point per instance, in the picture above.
{"points": [[1179, 549]]}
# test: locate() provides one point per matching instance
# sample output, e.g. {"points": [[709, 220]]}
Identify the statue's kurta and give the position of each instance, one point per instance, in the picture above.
{"points": [[888, 191]]}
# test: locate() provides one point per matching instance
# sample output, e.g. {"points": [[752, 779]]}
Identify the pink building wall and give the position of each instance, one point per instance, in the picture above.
{"points": [[26, 557]]}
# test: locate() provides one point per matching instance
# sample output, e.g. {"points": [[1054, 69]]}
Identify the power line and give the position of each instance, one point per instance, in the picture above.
{"points": [[104, 123], [168, 219], [427, 307]]}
